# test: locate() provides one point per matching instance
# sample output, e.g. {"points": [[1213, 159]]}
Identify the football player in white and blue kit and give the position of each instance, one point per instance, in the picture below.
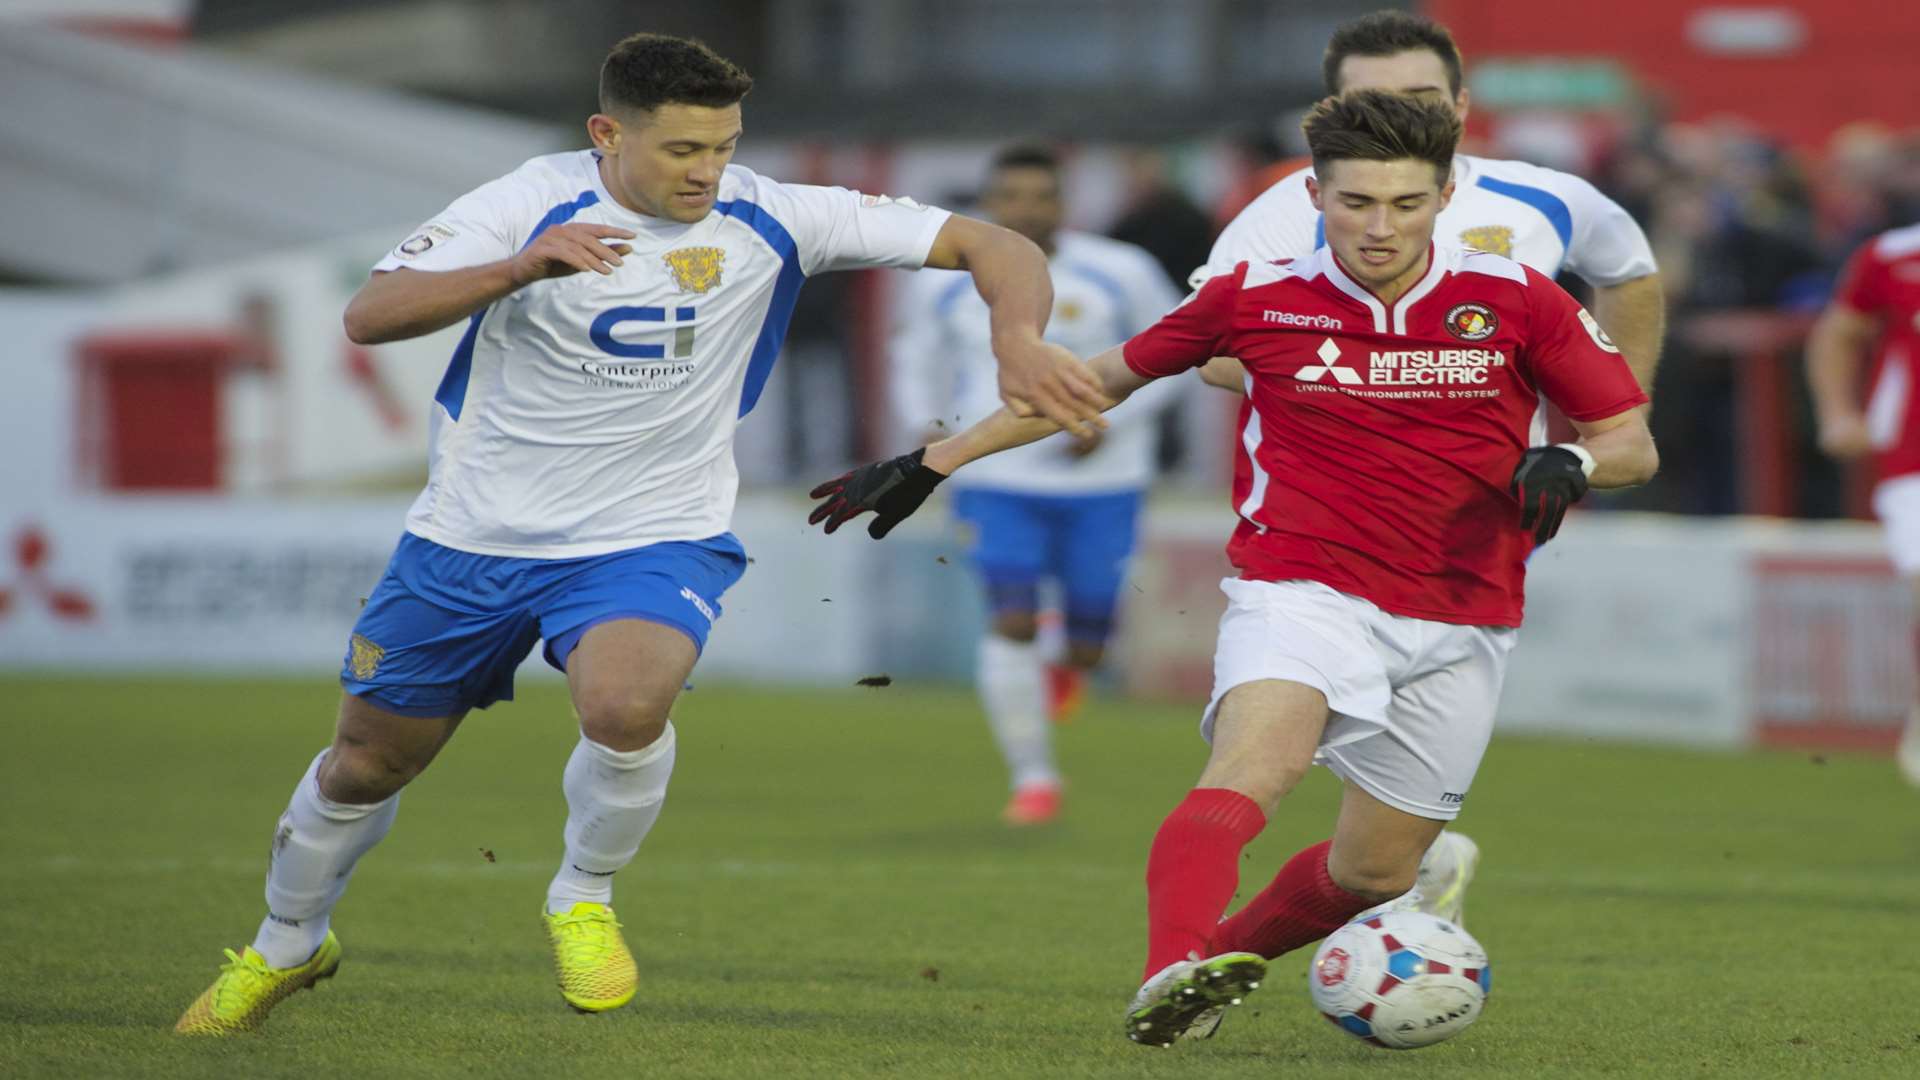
{"points": [[623, 307], [1539, 217], [1062, 509]]}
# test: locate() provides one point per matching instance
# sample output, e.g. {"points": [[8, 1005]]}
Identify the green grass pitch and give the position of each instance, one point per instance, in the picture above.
{"points": [[829, 894]]}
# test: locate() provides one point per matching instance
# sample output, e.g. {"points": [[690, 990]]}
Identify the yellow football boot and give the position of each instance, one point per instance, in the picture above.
{"points": [[248, 989], [596, 970]]}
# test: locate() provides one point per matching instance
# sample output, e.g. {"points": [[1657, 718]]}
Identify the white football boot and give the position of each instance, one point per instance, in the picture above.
{"points": [[1907, 754], [1440, 887], [1186, 998]]}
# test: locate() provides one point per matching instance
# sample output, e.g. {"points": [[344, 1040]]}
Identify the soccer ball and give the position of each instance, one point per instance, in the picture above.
{"points": [[1400, 979]]}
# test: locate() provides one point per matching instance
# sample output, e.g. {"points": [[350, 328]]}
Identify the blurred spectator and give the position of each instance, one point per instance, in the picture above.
{"points": [[1160, 217], [1265, 160]]}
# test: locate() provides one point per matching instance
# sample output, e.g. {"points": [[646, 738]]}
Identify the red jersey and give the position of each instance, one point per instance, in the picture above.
{"points": [[1380, 439], [1883, 280]]}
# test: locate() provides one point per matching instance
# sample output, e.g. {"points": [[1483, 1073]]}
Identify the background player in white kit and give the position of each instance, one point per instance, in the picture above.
{"points": [[1549, 220], [625, 305], [1388, 503], [1063, 509]]}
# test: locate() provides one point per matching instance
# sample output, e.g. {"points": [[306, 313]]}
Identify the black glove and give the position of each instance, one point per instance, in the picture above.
{"points": [[892, 489], [1548, 480]]}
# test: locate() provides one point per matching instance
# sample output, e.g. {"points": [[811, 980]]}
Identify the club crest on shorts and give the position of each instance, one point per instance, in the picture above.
{"points": [[1493, 239], [1472, 322], [696, 269], [364, 658]]}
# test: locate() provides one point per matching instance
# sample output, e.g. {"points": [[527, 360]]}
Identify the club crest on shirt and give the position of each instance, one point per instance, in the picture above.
{"points": [[1472, 322], [1493, 239], [695, 269], [365, 658]]}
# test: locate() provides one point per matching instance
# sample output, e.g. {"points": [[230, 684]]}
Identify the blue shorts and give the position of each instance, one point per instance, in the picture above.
{"points": [[445, 629], [1081, 541]]}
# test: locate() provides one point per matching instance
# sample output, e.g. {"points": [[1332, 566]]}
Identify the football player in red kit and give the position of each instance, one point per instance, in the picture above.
{"points": [[1875, 312], [1390, 493]]}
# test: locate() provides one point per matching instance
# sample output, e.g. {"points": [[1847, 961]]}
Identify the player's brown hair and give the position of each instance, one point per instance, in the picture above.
{"points": [[1385, 33], [646, 71], [1374, 125]]}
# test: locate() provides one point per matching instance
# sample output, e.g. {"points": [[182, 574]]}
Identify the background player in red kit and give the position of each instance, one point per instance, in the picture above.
{"points": [[1391, 496], [1878, 304]]}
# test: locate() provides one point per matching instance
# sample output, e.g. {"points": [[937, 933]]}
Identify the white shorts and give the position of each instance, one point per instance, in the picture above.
{"points": [[1896, 503], [1411, 701]]}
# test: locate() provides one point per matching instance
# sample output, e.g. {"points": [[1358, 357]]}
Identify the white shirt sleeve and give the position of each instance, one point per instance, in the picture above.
{"points": [[1608, 246], [837, 229], [480, 227], [920, 360], [1149, 293], [1280, 224]]}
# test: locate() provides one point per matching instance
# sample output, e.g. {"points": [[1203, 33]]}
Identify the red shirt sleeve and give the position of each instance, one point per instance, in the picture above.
{"points": [[1572, 360], [1189, 335], [1863, 282]]}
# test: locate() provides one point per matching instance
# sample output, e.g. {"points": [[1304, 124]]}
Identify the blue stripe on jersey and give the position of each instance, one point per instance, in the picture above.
{"points": [[786, 291], [453, 385], [562, 213], [1122, 321], [1319, 232], [951, 296], [1540, 199]]}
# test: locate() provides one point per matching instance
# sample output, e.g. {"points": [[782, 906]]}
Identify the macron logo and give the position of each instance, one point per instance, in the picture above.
{"points": [[1328, 353], [1311, 322]]}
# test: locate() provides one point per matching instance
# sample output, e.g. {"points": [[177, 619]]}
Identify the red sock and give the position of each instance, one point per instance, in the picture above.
{"points": [[1193, 869], [1301, 906]]}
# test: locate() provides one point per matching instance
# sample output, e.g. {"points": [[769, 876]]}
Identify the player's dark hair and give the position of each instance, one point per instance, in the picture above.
{"points": [[646, 71], [1025, 156], [1385, 33], [1375, 125]]}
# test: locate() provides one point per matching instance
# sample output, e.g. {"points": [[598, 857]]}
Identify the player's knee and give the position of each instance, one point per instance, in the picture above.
{"points": [[1085, 655], [358, 772], [624, 718], [1016, 625], [1373, 877], [1265, 780]]}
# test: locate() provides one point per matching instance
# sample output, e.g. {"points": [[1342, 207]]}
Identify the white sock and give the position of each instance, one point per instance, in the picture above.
{"points": [[613, 798], [315, 847], [1013, 687]]}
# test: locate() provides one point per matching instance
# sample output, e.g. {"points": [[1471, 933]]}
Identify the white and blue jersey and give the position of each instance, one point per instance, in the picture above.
{"points": [[582, 439], [595, 413], [1539, 217], [1104, 292]]}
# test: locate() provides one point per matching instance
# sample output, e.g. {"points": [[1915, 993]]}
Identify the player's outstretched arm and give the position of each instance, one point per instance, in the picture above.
{"points": [[893, 489], [1037, 377], [1005, 429], [399, 304], [1839, 340], [1614, 452]]}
